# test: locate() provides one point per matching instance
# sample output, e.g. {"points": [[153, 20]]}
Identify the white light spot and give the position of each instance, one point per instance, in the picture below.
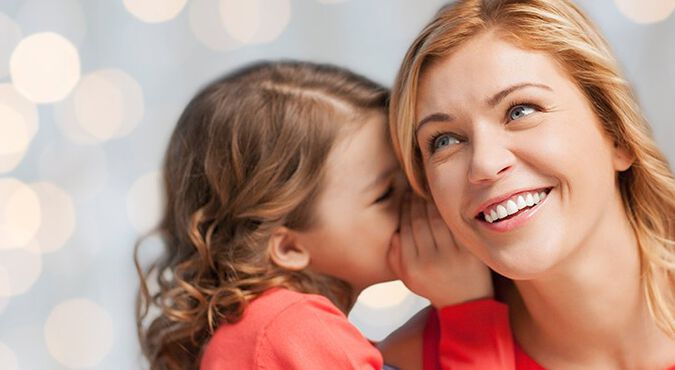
{"points": [[22, 267], [240, 18], [78, 333], [20, 214], [99, 107], [207, 26], [45, 67], [58, 216], [255, 21], [106, 104], [154, 11], [11, 34], [18, 126], [7, 358], [646, 11], [384, 295], [144, 202]]}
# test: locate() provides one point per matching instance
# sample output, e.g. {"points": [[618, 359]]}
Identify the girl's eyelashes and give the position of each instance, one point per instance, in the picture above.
{"points": [[386, 195]]}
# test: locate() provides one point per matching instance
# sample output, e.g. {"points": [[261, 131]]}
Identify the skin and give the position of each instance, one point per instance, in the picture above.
{"points": [[358, 208], [500, 119]]}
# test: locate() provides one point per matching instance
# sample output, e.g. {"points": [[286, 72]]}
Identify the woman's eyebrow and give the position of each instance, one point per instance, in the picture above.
{"points": [[434, 117], [498, 97], [492, 102]]}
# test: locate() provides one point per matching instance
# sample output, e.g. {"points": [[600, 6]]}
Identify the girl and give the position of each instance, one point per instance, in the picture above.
{"points": [[282, 200], [513, 117]]}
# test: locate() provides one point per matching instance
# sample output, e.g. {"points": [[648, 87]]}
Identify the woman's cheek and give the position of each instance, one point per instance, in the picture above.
{"points": [[444, 190]]}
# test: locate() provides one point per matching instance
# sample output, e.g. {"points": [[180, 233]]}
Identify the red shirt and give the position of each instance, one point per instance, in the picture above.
{"points": [[283, 329], [452, 331]]}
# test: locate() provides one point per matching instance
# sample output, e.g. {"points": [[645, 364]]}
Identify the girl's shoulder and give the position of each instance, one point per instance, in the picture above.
{"points": [[288, 329]]}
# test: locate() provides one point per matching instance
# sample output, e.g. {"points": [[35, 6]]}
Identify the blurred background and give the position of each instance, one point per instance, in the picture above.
{"points": [[90, 91]]}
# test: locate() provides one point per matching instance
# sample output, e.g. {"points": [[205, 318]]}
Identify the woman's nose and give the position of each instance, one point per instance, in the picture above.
{"points": [[491, 157]]}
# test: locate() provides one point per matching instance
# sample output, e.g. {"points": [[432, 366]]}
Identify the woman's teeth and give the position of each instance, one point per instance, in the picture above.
{"points": [[513, 205]]}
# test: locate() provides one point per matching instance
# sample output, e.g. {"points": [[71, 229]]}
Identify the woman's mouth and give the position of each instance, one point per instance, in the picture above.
{"points": [[513, 206]]}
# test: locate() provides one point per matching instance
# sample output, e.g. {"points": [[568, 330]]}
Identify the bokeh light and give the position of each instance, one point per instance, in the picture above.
{"points": [[240, 18], [11, 35], [207, 26], [22, 268], [228, 24], [105, 104], [384, 295], [18, 126], [271, 18], [78, 333], [20, 214], [646, 11], [154, 11], [58, 216], [8, 359], [144, 202], [44, 67]]}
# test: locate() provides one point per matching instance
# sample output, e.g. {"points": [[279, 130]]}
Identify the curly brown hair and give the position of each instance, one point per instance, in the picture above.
{"points": [[246, 156]]}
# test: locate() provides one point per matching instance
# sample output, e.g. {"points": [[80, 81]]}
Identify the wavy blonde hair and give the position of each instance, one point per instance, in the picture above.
{"points": [[563, 31], [247, 155]]}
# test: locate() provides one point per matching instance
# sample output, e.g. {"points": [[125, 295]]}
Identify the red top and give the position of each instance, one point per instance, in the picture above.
{"points": [[283, 329], [473, 325]]}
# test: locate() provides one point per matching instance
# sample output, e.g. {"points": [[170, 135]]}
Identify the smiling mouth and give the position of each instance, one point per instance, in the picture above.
{"points": [[513, 206]]}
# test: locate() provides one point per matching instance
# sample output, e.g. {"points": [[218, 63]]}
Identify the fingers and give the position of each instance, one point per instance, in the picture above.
{"points": [[439, 230]]}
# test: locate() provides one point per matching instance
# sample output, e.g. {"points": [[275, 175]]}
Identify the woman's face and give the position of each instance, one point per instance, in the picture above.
{"points": [[358, 209], [515, 158]]}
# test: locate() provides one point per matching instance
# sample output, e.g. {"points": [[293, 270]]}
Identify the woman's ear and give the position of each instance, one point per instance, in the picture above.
{"points": [[623, 159], [285, 250]]}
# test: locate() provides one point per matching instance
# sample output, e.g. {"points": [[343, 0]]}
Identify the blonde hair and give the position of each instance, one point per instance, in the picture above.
{"points": [[562, 30], [247, 155]]}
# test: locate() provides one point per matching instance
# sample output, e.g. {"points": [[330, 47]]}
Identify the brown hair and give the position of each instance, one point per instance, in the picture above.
{"points": [[562, 30], [246, 156]]}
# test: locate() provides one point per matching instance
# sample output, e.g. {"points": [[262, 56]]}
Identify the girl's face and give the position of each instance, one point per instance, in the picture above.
{"points": [[358, 209], [515, 158]]}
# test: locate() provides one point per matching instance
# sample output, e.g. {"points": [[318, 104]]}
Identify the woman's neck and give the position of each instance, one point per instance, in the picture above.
{"points": [[591, 310]]}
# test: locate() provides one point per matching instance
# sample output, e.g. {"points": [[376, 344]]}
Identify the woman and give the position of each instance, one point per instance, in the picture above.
{"points": [[514, 118]]}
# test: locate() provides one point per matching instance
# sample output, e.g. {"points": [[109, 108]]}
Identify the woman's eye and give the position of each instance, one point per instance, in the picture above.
{"points": [[443, 141], [520, 111]]}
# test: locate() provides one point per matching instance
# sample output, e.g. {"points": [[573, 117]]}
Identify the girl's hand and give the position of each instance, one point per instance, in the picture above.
{"points": [[426, 258]]}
